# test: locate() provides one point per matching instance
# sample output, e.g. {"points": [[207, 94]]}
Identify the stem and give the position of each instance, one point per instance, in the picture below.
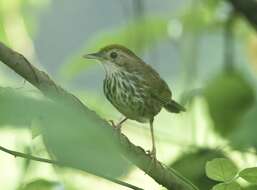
{"points": [[48, 161], [30, 157]]}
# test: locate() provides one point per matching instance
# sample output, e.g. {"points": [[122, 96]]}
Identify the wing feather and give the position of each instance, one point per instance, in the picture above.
{"points": [[158, 87]]}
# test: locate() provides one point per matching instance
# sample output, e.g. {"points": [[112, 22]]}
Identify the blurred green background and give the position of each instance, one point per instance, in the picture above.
{"points": [[207, 55]]}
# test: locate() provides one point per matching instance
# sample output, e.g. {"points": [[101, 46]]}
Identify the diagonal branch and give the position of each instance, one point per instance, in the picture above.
{"points": [[248, 8], [137, 155]]}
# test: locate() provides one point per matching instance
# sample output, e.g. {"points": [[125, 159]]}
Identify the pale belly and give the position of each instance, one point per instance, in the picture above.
{"points": [[130, 99]]}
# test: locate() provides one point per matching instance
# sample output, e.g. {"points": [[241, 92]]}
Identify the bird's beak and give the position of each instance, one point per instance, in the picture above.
{"points": [[92, 56]]}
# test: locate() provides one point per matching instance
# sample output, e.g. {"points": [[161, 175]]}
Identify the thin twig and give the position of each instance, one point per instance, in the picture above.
{"points": [[28, 156], [48, 161]]}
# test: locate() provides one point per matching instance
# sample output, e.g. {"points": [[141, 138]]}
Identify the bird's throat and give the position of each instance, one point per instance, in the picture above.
{"points": [[110, 68]]}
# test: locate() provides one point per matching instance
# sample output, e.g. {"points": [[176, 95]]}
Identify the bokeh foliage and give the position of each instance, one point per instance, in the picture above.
{"points": [[86, 144], [229, 96], [135, 36]]}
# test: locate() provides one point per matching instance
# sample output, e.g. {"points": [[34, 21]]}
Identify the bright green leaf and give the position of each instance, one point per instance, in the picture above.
{"points": [[42, 184], [249, 174], [221, 169], [227, 186]]}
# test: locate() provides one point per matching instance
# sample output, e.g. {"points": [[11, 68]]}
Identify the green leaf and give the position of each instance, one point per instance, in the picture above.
{"points": [[35, 127], [77, 138], [192, 164], [229, 97], [12, 101], [82, 140], [249, 174], [42, 184], [227, 186], [245, 136], [221, 169], [136, 36]]}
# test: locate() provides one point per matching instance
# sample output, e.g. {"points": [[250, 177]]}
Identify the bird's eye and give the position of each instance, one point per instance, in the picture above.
{"points": [[114, 55]]}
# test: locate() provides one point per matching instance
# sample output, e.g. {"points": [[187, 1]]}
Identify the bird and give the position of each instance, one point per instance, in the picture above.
{"points": [[133, 87]]}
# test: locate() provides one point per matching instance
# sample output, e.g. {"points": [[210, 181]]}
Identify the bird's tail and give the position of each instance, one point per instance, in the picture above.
{"points": [[174, 107]]}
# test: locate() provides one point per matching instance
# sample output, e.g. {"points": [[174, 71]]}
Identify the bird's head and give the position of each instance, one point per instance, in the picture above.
{"points": [[115, 57]]}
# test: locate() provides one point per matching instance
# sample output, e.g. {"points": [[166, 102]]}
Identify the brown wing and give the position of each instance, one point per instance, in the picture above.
{"points": [[158, 87]]}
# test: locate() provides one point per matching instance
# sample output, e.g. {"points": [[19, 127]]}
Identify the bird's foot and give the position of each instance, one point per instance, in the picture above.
{"points": [[115, 126], [153, 162], [152, 154]]}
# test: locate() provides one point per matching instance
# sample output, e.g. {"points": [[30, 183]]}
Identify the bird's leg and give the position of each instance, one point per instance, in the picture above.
{"points": [[153, 151], [112, 123], [118, 125]]}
